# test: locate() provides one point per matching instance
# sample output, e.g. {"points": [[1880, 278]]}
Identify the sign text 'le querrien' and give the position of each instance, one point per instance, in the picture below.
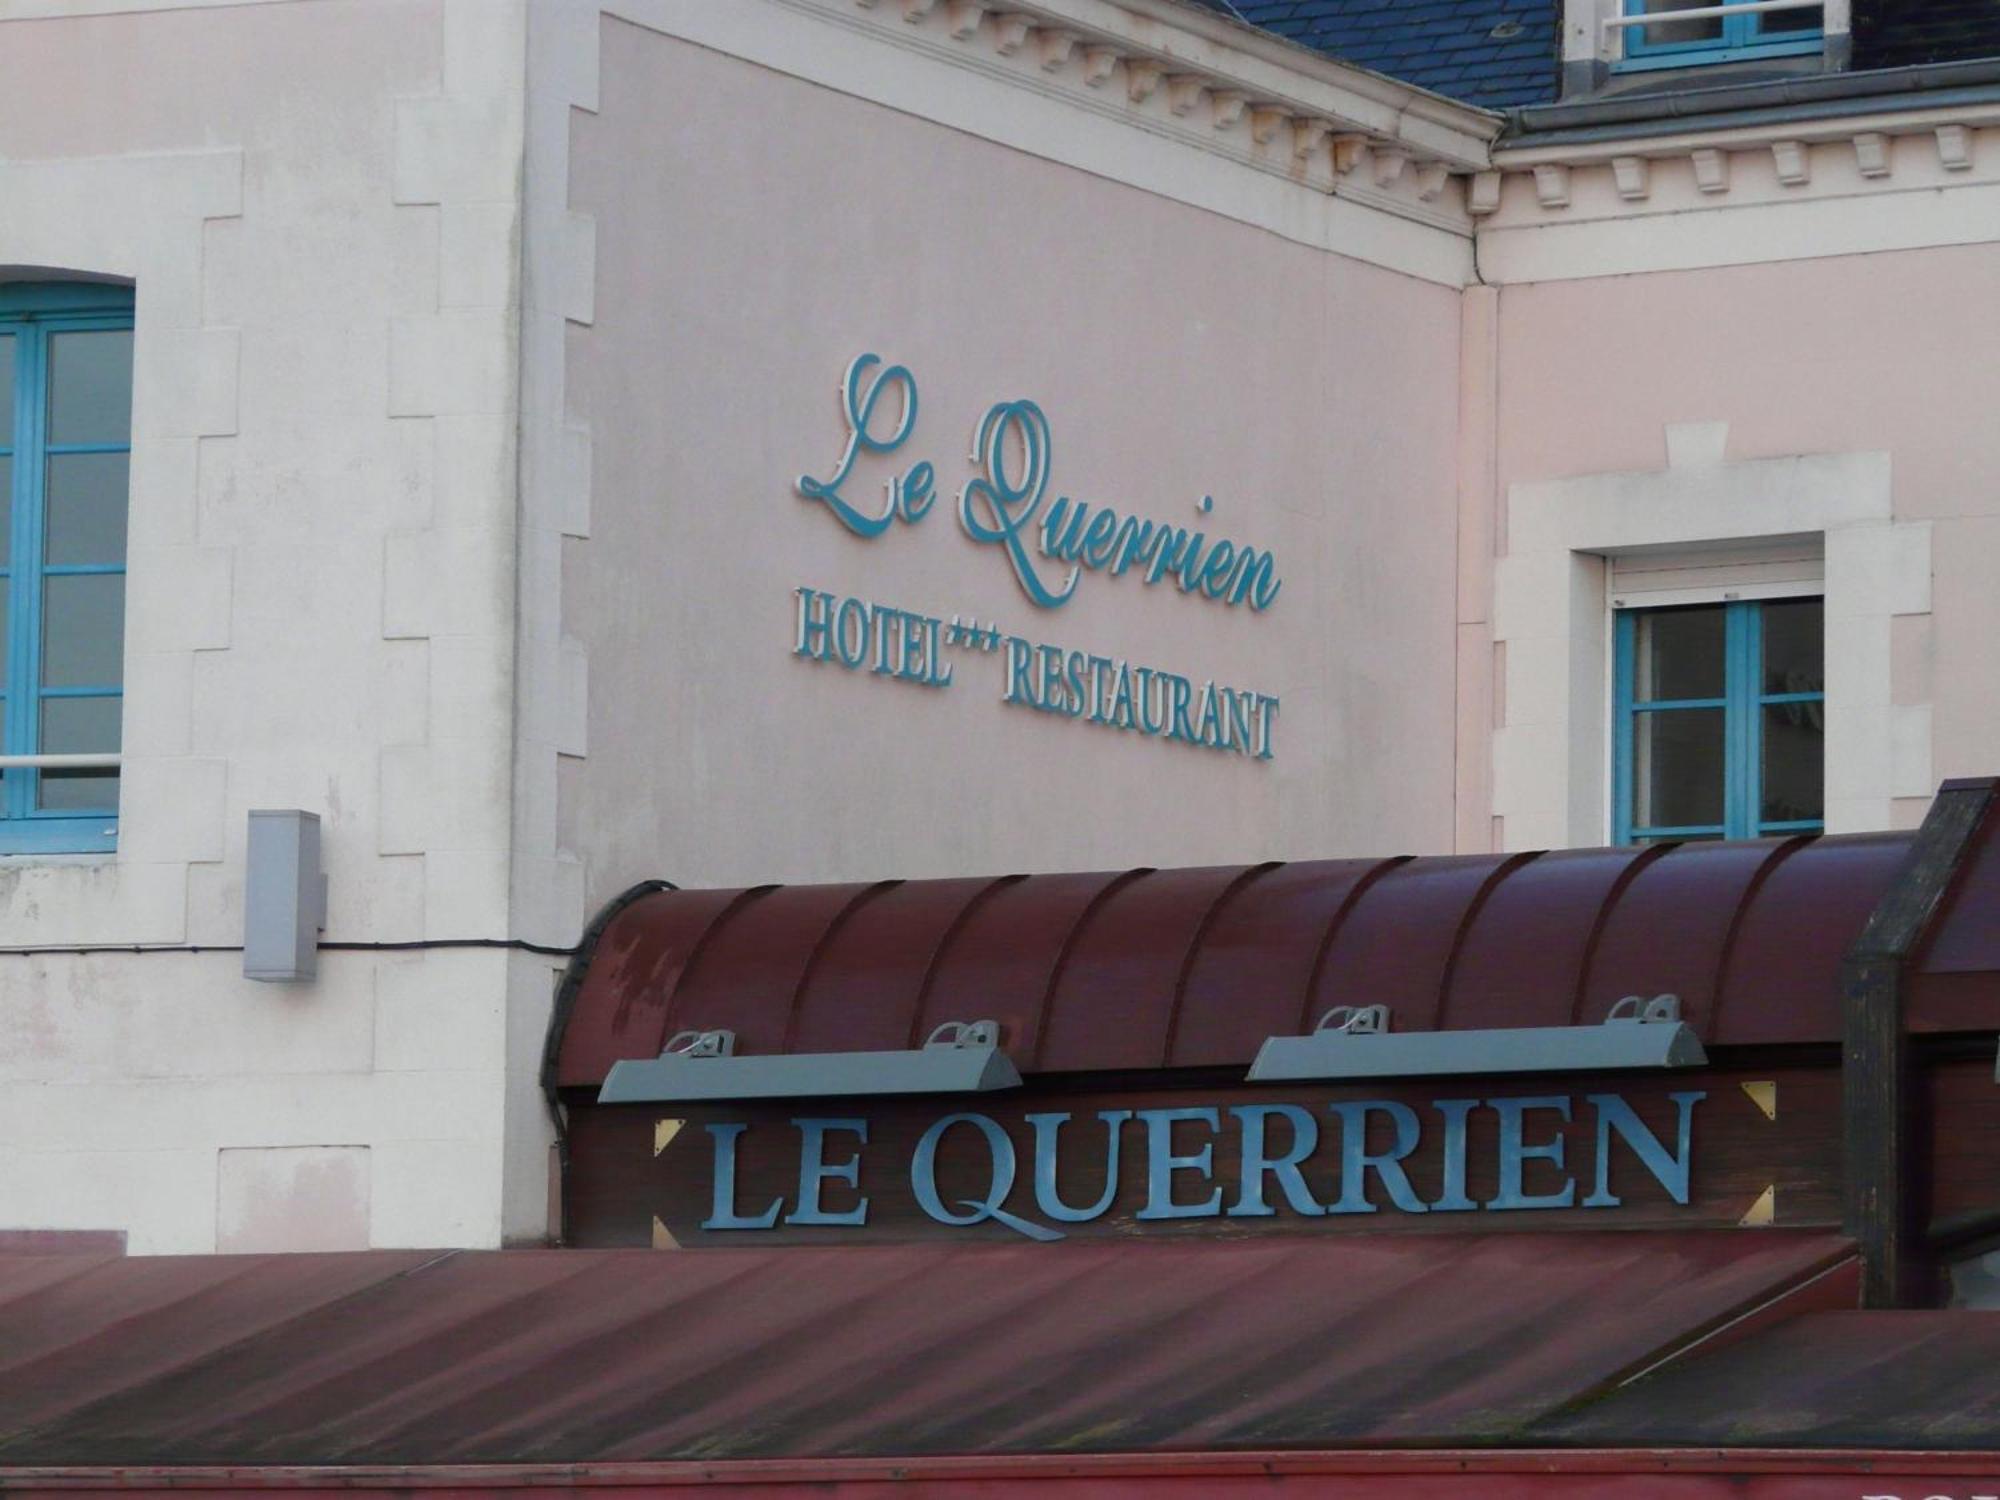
{"points": [[1640, 1153]]}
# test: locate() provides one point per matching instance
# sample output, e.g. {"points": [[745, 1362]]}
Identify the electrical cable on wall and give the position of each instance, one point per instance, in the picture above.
{"points": [[413, 945]]}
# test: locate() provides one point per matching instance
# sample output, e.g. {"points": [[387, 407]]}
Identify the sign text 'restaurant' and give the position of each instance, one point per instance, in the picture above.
{"points": [[905, 645]]}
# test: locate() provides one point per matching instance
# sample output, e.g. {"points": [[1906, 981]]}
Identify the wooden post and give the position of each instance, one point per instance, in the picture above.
{"points": [[1885, 1210]]}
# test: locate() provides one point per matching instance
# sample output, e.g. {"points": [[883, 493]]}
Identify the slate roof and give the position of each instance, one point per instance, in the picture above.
{"points": [[1495, 53], [1503, 53], [1899, 34]]}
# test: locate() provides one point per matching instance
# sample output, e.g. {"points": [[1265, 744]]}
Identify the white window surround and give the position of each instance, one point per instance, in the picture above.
{"points": [[146, 219], [1586, 37], [1552, 622], [1717, 573]]}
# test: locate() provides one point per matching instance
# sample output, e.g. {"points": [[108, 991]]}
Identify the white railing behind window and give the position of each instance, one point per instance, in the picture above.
{"points": [[1707, 12], [109, 761]]}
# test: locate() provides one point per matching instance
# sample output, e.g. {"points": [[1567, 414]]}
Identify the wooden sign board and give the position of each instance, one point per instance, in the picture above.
{"points": [[1708, 1148]]}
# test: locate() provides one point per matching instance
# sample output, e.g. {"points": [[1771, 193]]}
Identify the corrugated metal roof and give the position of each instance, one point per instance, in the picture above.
{"points": [[1495, 53], [1145, 969], [608, 1356], [1830, 1379]]}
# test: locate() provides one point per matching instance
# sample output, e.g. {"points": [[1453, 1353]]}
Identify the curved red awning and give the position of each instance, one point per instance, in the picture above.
{"points": [[1146, 969]]}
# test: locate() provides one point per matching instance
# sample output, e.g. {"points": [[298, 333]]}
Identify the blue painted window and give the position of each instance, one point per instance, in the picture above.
{"points": [[65, 442], [1720, 721], [1677, 44]]}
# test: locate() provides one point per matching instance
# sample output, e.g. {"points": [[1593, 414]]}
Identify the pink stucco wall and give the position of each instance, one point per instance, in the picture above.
{"points": [[1889, 352], [282, 77], [754, 233], [1875, 351]]}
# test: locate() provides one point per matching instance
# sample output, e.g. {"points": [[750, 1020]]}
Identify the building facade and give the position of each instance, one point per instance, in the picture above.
{"points": [[571, 444]]}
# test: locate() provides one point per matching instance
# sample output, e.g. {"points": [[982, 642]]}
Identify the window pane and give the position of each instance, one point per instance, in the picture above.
{"points": [[1789, 22], [86, 508], [1678, 654], [1794, 646], [90, 387], [1794, 749], [75, 726], [1677, 768], [6, 508], [6, 599], [80, 726], [1709, 30], [78, 791], [6, 390], [83, 630]]}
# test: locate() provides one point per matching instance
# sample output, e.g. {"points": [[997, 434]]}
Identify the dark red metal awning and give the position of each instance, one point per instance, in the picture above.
{"points": [[1148, 969], [1909, 1380], [559, 1357]]}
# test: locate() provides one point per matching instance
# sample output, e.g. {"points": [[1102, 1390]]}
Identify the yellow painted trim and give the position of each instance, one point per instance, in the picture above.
{"points": [[1763, 1213], [1764, 1094]]}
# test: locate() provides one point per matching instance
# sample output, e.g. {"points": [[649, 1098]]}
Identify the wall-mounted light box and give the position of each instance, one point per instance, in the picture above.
{"points": [[284, 896]]}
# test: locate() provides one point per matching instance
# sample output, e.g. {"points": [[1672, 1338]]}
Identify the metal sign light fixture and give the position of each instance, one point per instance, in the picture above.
{"points": [[959, 1057], [1355, 1042]]}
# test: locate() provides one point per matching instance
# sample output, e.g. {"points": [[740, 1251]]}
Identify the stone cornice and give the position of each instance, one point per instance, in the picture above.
{"points": [[1183, 72], [1293, 76], [1798, 161], [1195, 76], [1866, 174], [1676, 139]]}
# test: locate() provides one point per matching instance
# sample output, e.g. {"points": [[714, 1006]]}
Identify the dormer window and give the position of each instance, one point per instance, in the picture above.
{"points": [[1686, 33]]}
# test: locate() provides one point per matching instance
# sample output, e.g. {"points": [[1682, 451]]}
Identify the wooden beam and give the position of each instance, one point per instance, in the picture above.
{"points": [[1885, 1210]]}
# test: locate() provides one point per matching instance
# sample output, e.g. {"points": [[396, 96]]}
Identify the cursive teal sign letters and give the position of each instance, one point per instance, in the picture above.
{"points": [[1049, 541]]}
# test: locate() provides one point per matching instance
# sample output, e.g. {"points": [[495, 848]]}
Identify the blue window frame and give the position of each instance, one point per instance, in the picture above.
{"points": [[65, 446], [1720, 721], [1710, 39]]}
